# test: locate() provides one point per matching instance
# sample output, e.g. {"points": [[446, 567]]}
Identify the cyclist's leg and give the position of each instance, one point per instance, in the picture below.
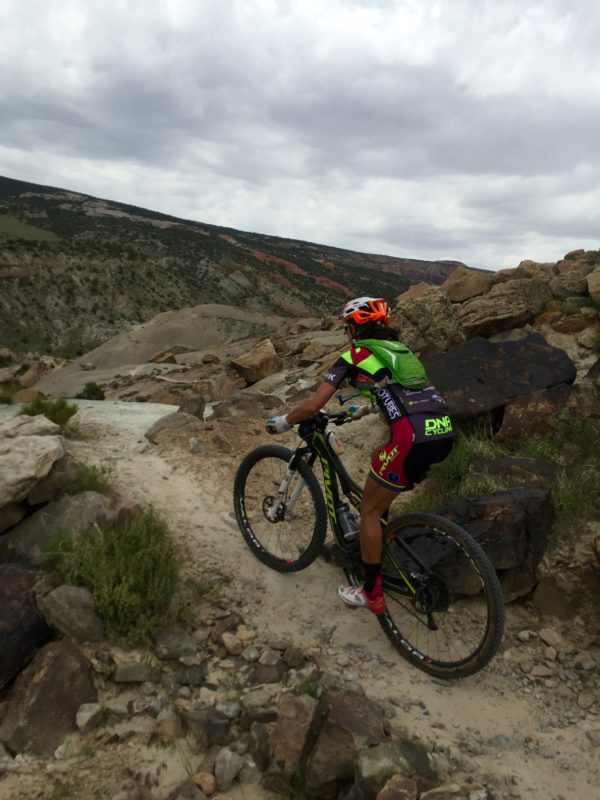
{"points": [[385, 480], [375, 502]]}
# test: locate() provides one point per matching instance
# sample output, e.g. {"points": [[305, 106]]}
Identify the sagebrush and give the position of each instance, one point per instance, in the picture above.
{"points": [[131, 571]]}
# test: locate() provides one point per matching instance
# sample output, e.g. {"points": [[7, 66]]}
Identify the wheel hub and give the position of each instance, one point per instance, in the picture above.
{"points": [[268, 504], [432, 595]]}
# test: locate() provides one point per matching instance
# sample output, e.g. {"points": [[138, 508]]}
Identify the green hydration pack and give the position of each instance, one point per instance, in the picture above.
{"points": [[405, 367]]}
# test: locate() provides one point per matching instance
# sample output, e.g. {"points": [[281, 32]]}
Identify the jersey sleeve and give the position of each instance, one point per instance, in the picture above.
{"points": [[337, 373]]}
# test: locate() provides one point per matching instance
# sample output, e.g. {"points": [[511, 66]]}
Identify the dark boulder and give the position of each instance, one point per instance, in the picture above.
{"points": [[480, 376], [513, 528], [354, 722], [522, 470], [43, 703], [535, 413], [594, 371], [23, 629]]}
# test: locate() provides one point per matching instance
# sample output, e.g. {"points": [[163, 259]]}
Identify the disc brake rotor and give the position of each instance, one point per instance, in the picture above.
{"points": [[268, 504]]}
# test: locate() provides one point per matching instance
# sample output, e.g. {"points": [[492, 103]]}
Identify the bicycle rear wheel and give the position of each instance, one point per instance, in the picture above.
{"points": [[292, 538], [445, 607]]}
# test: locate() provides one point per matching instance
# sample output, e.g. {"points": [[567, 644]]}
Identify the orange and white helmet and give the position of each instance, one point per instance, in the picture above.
{"points": [[366, 309]]}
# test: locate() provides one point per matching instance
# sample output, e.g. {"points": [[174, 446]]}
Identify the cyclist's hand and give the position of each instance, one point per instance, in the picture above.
{"points": [[277, 425], [358, 412]]}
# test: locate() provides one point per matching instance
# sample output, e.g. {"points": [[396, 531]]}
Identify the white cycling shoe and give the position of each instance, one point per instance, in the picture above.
{"points": [[357, 598]]}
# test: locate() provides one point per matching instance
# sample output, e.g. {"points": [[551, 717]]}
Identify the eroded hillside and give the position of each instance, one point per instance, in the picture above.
{"points": [[75, 270]]}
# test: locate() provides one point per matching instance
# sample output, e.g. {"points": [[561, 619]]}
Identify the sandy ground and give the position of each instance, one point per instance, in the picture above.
{"points": [[537, 757]]}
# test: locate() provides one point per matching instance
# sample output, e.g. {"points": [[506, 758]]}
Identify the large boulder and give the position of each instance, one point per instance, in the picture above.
{"points": [[533, 269], [512, 527], [24, 461], [26, 425], [353, 722], [465, 283], [290, 734], [429, 321], [22, 628], [36, 371], [172, 422], [480, 376], [43, 703], [62, 477], [70, 609], [11, 514], [79, 514], [259, 362], [507, 305], [533, 413], [570, 278], [593, 284]]}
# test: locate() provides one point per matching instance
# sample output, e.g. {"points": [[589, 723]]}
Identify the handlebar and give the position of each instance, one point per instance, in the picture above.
{"points": [[321, 420]]}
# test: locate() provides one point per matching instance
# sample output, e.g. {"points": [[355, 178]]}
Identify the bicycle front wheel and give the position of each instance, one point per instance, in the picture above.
{"points": [[281, 513], [445, 611]]}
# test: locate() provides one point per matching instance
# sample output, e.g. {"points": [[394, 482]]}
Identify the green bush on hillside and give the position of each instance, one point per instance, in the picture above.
{"points": [[58, 411], [130, 570], [91, 391]]}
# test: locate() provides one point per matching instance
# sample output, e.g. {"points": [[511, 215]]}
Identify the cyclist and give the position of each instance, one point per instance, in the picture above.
{"points": [[420, 428]]}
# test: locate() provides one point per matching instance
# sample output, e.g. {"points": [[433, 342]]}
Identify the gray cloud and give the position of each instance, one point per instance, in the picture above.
{"points": [[465, 130]]}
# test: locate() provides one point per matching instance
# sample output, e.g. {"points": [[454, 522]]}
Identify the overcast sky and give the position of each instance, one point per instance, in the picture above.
{"points": [[457, 129]]}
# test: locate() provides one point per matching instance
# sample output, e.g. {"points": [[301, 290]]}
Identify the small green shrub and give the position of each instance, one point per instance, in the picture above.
{"points": [[90, 478], [58, 411], [571, 307], [575, 447], [91, 391], [445, 477], [307, 686], [131, 572]]}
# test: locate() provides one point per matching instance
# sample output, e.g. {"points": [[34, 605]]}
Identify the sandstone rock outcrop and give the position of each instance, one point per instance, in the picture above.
{"points": [[506, 305], [259, 362], [26, 458], [427, 321], [465, 283]]}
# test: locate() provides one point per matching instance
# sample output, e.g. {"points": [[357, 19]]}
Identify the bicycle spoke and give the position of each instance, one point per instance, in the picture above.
{"points": [[452, 620], [285, 539]]}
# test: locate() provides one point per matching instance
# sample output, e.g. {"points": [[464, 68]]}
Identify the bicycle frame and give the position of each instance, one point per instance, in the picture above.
{"points": [[333, 469], [317, 446]]}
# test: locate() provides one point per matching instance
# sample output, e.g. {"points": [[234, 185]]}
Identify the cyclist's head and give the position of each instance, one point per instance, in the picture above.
{"points": [[365, 311]]}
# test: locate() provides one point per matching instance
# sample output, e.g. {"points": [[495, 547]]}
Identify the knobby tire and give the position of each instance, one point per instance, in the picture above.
{"points": [[420, 645], [263, 536]]}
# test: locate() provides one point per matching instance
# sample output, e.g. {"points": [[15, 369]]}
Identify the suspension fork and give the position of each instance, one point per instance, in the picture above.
{"points": [[273, 514]]}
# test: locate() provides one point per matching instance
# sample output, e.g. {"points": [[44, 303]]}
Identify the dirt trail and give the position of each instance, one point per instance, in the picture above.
{"points": [[502, 727]]}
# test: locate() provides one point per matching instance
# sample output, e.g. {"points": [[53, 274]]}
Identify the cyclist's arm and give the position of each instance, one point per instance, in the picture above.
{"points": [[309, 407]]}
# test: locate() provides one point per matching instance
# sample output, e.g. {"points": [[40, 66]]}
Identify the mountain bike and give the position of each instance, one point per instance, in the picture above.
{"points": [[445, 611]]}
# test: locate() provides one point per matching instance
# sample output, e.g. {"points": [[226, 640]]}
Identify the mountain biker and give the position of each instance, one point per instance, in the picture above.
{"points": [[420, 428]]}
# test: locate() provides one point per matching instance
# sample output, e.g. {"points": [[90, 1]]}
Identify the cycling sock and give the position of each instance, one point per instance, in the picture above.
{"points": [[372, 585]]}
